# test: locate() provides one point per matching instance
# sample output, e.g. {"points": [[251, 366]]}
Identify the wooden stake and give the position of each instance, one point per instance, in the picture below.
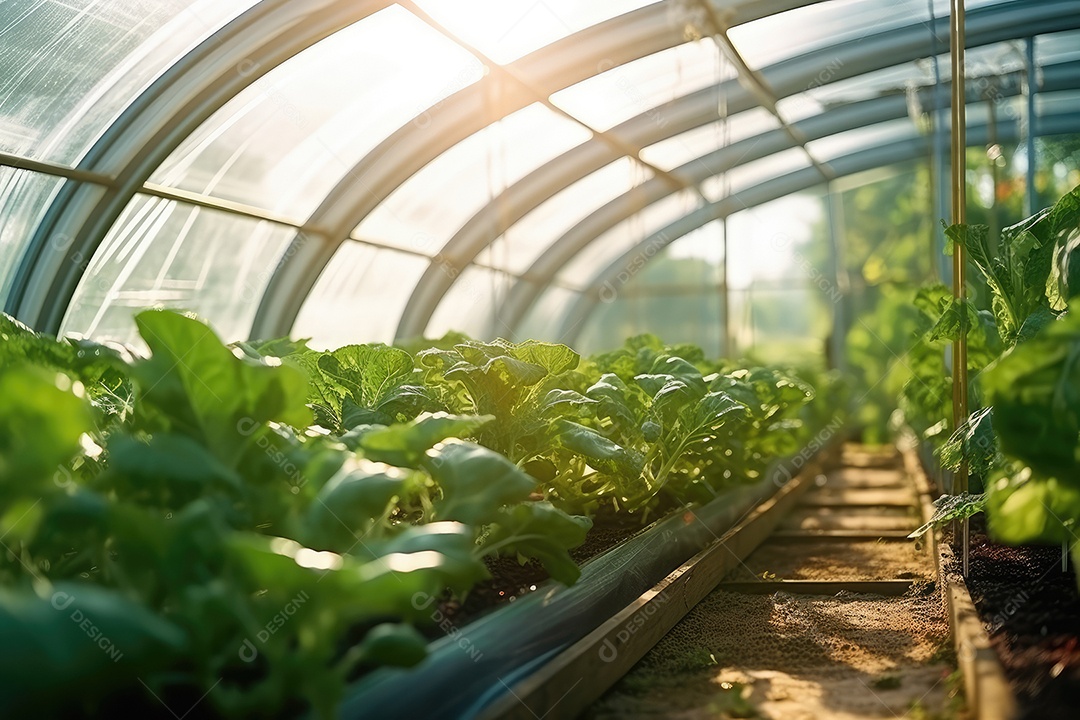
{"points": [[959, 201]]}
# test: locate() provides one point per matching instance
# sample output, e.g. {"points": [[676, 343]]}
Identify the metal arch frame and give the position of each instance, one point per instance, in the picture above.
{"points": [[523, 294], [152, 127], [575, 315], [787, 77], [563, 63], [831, 122]]}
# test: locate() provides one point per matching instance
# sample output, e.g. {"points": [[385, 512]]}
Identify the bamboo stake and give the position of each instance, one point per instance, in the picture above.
{"points": [[959, 200]]}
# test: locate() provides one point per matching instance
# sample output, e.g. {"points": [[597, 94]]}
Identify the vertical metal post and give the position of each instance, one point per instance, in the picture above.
{"points": [[725, 293], [937, 154], [835, 213], [1030, 201], [959, 201], [992, 221]]}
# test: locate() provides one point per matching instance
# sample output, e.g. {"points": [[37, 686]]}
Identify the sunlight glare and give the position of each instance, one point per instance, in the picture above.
{"points": [[505, 30]]}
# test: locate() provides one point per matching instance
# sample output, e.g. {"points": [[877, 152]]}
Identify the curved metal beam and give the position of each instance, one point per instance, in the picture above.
{"points": [[602, 288], [788, 77], [152, 127], [1063, 76], [559, 65]]}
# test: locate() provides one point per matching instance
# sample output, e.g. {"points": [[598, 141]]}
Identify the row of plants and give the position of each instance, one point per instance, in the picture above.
{"points": [[253, 524], [1021, 441]]}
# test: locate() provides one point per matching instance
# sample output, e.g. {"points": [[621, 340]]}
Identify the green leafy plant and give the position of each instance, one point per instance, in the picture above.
{"points": [[952, 507], [254, 522], [1025, 439], [1019, 269]]}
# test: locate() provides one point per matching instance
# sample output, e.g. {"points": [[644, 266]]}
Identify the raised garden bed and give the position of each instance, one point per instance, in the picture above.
{"points": [[1017, 620], [476, 664], [1030, 610]]}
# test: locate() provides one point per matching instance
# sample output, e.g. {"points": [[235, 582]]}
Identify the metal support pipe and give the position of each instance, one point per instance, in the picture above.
{"points": [[874, 156], [959, 201], [834, 207], [725, 292], [1030, 88], [937, 153]]}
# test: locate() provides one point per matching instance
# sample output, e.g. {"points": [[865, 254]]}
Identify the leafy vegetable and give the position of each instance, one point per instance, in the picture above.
{"points": [[952, 507], [1035, 391], [253, 523], [1019, 269]]}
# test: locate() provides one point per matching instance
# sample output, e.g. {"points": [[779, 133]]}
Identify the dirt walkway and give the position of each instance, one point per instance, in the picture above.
{"points": [[786, 655]]}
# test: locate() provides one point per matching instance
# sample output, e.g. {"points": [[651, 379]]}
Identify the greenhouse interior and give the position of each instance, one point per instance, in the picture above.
{"points": [[539, 359]]}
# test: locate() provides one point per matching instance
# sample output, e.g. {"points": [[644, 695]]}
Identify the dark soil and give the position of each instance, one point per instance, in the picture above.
{"points": [[1031, 610]]}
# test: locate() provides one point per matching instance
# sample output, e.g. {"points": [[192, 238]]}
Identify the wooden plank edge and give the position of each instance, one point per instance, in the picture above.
{"points": [[988, 693], [891, 587], [854, 504], [784, 536], [559, 690]]}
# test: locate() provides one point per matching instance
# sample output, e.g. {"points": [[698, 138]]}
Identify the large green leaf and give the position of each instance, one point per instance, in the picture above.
{"points": [[350, 503], [393, 645], [475, 482], [973, 442], [504, 370], [952, 507], [201, 389], [84, 640], [557, 401], [1020, 270], [368, 372], [384, 587], [617, 402], [171, 469], [1025, 507], [712, 411], [539, 530], [1035, 392], [555, 359], [455, 541], [600, 452], [673, 398], [375, 384], [404, 444], [41, 421]]}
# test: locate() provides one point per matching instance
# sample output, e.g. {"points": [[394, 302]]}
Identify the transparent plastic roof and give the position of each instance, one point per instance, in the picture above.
{"points": [[427, 165], [641, 86], [287, 140], [162, 252], [69, 68], [369, 285], [533, 235], [693, 144], [24, 198], [424, 212], [505, 31], [624, 236]]}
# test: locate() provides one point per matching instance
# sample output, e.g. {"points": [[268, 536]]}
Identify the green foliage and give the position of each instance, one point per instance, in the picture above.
{"points": [[41, 423], [476, 482], [539, 530], [1026, 507], [404, 444], [516, 383], [1035, 391], [973, 443], [226, 516], [877, 348], [1025, 439], [952, 507], [1018, 270]]}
